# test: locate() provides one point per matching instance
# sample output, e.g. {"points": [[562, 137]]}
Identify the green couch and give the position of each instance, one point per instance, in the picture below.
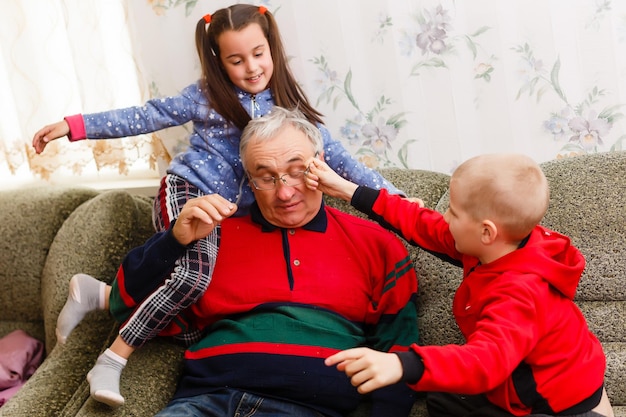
{"points": [[51, 233]]}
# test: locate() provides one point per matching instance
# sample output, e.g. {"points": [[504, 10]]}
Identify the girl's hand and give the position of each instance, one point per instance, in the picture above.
{"points": [[49, 133], [368, 369], [321, 177]]}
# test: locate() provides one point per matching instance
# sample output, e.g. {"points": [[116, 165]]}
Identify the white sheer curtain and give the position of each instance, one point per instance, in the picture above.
{"points": [[416, 83], [62, 57]]}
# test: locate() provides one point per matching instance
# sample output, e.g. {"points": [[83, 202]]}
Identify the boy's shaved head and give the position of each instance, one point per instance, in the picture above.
{"points": [[508, 189]]}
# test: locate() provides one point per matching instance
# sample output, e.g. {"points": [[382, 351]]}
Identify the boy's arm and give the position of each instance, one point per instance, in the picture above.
{"points": [[49, 133], [417, 225]]}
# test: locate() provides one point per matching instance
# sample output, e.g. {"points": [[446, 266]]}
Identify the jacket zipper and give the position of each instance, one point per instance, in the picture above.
{"points": [[253, 105]]}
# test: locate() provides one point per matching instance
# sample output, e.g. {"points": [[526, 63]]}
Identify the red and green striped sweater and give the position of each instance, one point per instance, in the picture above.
{"points": [[282, 300]]}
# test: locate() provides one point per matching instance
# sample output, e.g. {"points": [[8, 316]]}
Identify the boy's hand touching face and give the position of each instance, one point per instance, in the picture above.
{"points": [[322, 177], [368, 369]]}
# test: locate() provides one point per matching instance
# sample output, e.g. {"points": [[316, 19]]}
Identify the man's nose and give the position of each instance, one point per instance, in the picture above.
{"points": [[284, 191]]}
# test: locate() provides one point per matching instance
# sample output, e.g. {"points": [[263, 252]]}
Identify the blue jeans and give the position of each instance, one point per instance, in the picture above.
{"points": [[228, 402]]}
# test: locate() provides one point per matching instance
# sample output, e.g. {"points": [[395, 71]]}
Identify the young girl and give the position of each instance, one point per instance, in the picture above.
{"points": [[245, 73]]}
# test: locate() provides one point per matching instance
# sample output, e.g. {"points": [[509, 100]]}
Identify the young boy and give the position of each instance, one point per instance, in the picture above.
{"points": [[528, 349]]}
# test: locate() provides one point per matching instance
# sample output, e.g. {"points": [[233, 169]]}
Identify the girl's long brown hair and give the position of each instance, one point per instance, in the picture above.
{"points": [[219, 88]]}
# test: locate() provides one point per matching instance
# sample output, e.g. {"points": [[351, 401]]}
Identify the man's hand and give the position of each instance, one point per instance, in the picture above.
{"points": [[368, 369], [322, 177], [199, 217]]}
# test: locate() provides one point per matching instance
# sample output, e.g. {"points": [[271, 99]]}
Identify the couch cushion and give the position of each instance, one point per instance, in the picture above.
{"points": [[93, 240]]}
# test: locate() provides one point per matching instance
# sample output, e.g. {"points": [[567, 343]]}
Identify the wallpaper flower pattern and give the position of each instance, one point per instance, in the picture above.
{"points": [[415, 84], [427, 84], [428, 42]]}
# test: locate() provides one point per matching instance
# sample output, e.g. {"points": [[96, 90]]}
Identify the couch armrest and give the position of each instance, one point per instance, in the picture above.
{"points": [[29, 220], [63, 371]]}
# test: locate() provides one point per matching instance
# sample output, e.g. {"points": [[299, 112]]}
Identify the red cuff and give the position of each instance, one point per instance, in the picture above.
{"points": [[77, 127]]}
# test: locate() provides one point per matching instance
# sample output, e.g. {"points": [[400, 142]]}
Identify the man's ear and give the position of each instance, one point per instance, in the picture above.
{"points": [[489, 232]]}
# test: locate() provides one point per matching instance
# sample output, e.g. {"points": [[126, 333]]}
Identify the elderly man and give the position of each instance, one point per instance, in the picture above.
{"points": [[295, 281]]}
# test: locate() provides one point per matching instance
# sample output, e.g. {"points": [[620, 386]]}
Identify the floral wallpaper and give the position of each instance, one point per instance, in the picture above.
{"points": [[426, 84], [579, 126]]}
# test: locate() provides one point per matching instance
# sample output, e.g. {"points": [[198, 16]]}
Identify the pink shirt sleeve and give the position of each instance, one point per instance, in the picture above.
{"points": [[77, 127]]}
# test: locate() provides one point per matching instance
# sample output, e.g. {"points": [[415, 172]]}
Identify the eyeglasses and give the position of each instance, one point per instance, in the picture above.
{"points": [[291, 179]]}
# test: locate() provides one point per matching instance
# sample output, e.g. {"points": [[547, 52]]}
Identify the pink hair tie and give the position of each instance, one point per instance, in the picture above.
{"points": [[207, 17], [262, 9]]}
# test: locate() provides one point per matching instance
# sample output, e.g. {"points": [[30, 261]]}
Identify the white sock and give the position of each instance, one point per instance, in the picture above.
{"points": [[104, 378], [85, 294]]}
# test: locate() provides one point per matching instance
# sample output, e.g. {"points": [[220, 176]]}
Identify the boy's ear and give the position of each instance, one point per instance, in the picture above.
{"points": [[489, 232]]}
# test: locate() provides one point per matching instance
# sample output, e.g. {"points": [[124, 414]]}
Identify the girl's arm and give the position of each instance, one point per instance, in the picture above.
{"points": [[342, 162], [156, 114]]}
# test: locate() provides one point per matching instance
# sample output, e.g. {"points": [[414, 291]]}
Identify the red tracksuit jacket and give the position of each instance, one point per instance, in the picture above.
{"points": [[528, 346]]}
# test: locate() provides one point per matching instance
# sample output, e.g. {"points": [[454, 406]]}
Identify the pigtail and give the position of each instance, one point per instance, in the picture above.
{"points": [[215, 82], [201, 47], [285, 89]]}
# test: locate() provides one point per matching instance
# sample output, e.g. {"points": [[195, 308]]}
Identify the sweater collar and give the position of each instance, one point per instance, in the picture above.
{"points": [[317, 224]]}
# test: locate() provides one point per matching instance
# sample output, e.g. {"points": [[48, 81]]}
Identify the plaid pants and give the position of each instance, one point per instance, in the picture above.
{"points": [[189, 280]]}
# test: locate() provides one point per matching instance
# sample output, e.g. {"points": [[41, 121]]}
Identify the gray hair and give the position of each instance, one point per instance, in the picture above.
{"points": [[268, 126]]}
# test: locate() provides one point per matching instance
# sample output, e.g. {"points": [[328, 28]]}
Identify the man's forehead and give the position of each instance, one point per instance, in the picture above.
{"points": [[289, 146], [281, 158]]}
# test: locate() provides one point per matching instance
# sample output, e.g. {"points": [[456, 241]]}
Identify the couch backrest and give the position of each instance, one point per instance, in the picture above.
{"points": [[588, 203]]}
